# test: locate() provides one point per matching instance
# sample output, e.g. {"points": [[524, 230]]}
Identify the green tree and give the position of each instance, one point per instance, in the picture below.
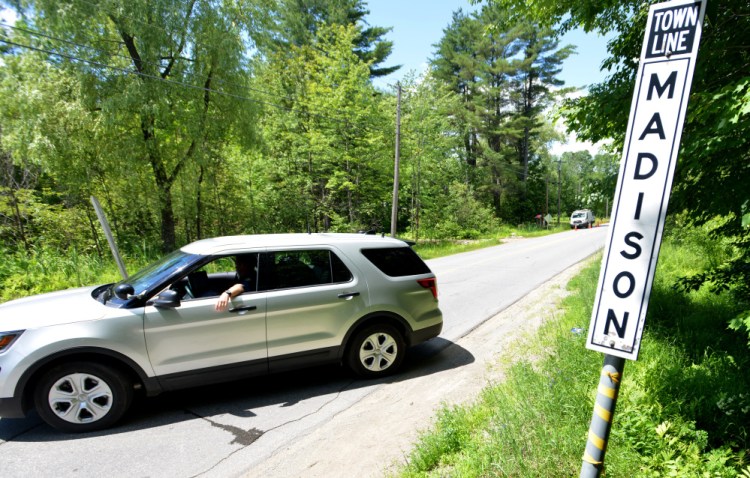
{"points": [[41, 117], [505, 73], [455, 64], [600, 188], [324, 146], [160, 80], [296, 23], [429, 157]]}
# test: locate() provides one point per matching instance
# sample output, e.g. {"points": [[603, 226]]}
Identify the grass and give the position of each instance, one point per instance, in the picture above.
{"points": [[45, 270], [431, 249], [683, 410]]}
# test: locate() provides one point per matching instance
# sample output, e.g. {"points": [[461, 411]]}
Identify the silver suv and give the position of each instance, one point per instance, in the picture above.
{"points": [[78, 356]]}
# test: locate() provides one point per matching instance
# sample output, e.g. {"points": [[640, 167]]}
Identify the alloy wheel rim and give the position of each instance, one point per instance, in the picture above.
{"points": [[378, 352], [80, 398]]}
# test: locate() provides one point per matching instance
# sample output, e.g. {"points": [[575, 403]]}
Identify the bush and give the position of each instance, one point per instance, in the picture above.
{"points": [[458, 216]]}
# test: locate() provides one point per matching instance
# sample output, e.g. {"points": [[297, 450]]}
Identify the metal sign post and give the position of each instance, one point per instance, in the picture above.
{"points": [[110, 238], [652, 140]]}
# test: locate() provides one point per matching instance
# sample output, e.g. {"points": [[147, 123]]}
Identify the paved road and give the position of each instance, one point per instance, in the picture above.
{"points": [[226, 430]]}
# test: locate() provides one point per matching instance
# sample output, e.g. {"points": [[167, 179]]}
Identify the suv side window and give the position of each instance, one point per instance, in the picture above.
{"points": [[396, 261], [289, 269], [214, 277]]}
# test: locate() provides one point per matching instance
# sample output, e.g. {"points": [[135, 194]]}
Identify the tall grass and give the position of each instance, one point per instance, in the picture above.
{"points": [[45, 270], [683, 410]]}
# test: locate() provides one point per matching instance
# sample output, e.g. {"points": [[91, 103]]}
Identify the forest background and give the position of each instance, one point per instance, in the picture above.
{"points": [[195, 119]]}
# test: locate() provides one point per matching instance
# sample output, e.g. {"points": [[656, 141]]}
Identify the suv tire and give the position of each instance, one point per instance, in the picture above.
{"points": [[80, 397], [376, 351]]}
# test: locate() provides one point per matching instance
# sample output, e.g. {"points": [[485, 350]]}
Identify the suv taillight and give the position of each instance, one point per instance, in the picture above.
{"points": [[429, 284]]}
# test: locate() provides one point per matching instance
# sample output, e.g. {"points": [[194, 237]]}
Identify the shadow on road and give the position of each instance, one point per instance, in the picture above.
{"points": [[240, 398]]}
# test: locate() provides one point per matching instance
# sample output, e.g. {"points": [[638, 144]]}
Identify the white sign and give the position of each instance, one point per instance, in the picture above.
{"points": [[657, 113]]}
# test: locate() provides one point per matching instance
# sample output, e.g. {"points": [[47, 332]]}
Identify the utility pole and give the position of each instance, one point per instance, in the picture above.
{"points": [[606, 207], [394, 203], [559, 186]]}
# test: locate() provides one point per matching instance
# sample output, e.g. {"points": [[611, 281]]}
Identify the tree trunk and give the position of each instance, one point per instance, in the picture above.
{"points": [[167, 218], [199, 206]]}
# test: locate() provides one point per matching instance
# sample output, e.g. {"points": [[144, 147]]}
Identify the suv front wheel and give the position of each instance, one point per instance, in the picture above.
{"points": [[81, 397], [376, 351]]}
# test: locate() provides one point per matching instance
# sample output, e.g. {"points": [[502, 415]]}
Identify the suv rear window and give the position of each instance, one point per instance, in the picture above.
{"points": [[397, 261]]}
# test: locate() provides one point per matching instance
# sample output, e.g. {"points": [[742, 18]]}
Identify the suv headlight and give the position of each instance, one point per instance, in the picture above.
{"points": [[7, 339]]}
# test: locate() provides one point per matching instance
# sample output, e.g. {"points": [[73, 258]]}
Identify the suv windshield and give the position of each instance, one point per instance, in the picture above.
{"points": [[158, 272]]}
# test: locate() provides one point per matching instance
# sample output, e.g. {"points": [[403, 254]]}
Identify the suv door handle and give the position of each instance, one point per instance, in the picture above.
{"points": [[243, 309], [348, 295]]}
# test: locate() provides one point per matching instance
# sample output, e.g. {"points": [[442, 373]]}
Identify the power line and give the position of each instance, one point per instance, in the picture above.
{"points": [[137, 73], [135, 20], [130, 59]]}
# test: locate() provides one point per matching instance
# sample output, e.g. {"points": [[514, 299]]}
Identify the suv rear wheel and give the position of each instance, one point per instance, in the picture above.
{"points": [[376, 351], [81, 397]]}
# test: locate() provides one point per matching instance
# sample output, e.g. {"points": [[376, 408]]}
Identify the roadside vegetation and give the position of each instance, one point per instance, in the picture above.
{"points": [[49, 269], [430, 249], [683, 409], [189, 120]]}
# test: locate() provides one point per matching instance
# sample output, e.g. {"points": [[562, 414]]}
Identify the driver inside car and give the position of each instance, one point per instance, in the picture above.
{"points": [[245, 267]]}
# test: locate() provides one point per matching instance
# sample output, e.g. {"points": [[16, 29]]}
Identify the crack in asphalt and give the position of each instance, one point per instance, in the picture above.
{"points": [[245, 438], [241, 437]]}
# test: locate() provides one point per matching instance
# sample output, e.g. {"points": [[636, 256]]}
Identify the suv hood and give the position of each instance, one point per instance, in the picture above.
{"points": [[54, 308]]}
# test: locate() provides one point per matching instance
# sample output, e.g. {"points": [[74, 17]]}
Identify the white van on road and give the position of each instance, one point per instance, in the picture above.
{"points": [[582, 218]]}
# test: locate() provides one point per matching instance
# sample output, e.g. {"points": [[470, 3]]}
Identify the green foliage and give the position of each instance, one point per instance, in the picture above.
{"points": [[130, 137], [742, 323], [45, 270], [324, 153], [48, 269], [460, 216], [297, 23], [188, 120]]}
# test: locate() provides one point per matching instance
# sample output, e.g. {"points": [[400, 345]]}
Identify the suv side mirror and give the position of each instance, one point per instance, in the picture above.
{"points": [[124, 291], [168, 299]]}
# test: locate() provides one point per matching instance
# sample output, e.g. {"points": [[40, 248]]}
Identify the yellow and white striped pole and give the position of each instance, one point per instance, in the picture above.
{"points": [[601, 422]]}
